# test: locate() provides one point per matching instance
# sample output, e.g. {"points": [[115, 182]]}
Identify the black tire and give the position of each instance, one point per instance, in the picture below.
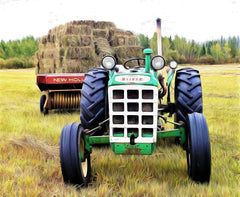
{"points": [[42, 102], [74, 170], [94, 103], [45, 111], [188, 93], [198, 148]]}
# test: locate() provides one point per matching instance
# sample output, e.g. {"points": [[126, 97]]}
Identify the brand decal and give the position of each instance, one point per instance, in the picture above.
{"points": [[65, 80], [132, 79]]}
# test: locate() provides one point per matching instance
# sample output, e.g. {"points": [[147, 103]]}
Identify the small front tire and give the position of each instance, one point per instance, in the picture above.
{"points": [[74, 169], [198, 148]]}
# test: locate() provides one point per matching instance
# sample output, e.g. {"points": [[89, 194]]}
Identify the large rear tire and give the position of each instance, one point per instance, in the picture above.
{"points": [[74, 169], [188, 93], [198, 148], [94, 103]]}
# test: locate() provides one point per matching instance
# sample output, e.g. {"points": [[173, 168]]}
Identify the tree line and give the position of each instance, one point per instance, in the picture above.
{"points": [[184, 51], [18, 53]]}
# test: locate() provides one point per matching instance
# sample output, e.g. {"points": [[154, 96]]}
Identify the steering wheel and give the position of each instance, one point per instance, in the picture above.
{"points": [[133, 59]]}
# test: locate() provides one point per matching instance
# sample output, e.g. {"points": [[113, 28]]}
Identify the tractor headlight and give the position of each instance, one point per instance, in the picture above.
{"points": [[173, 64], [108, 62], [157, 62]]}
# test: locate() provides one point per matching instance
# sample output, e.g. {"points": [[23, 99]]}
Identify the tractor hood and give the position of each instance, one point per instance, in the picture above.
{"points": [[136, 76]]}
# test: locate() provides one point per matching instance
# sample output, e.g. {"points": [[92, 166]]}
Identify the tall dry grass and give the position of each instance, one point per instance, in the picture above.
{"points": [[29, 143]]}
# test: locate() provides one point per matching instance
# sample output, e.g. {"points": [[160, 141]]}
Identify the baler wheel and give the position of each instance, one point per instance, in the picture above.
{"points": [[198, 148], [45, 111], [42, 102], [75, 160]]}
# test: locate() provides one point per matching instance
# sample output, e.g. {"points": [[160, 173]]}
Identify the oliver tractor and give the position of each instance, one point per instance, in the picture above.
{"points": [[123, 108]]}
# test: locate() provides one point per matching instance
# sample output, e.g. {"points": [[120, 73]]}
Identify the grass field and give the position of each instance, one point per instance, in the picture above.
{"points": [[29, 146]]}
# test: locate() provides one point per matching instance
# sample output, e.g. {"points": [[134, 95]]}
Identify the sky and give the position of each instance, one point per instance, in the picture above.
{"points": [[200, 20]]}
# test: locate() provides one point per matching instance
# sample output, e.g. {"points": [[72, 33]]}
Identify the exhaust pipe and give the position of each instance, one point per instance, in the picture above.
{"points": [[162, 93], [159, 37]]}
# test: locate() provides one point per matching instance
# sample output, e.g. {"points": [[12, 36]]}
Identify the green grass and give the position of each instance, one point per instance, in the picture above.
{"points": [[29, 143]]}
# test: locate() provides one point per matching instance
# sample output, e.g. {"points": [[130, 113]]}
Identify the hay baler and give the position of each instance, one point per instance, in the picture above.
{"points": [[123, 108], [63, 91]]}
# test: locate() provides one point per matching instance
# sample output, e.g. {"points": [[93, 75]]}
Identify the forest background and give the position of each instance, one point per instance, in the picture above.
{"points": [[20, 53]]}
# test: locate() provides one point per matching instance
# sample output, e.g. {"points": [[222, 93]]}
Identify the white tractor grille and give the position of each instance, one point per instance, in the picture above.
{"points": [[133, 109]]}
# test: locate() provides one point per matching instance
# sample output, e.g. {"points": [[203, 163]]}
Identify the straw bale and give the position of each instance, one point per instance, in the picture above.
{"points": [[60, 70], [86, 41], [102, 47], [78, 66], [100, 33], [50, 53], [89, 23], [78, 30], [61, 52], [124, 53], [71, 40], [85, 30], [115, 31], [117, 40], [72, 66], [51, 37], [43, 40], [48, 69], [133, 41], [87, 64], [45, 68], [103, 25], [72, 29], [119, 37], [79, 52]]}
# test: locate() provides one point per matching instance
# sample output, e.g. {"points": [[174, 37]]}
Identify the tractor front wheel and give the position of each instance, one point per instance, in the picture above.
{"points": [[198, 148], [75, 160]]}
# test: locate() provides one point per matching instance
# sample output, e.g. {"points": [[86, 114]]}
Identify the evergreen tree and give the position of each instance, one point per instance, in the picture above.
{"points": [[233, 46], [144, 41]]}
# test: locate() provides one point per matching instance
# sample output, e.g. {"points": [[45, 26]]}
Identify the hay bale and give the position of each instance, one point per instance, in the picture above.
{"points": [[119, 37], [132, 41], [100, 33], [71, 40], [102, 47], [86, 41], [77, 66], [103, 25], [79, 52], [124, 53]]}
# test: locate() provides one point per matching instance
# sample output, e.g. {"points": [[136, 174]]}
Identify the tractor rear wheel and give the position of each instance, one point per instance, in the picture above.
{"points": [[188, 93], [198, 148], [75, 161], [94, 106]]}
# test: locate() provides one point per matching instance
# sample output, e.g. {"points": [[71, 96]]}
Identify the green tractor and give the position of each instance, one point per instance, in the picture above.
{"points": [[122, 106]]}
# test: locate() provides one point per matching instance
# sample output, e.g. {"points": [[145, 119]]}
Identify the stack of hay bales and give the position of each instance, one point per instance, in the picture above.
{"points": [[80, 45]]}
